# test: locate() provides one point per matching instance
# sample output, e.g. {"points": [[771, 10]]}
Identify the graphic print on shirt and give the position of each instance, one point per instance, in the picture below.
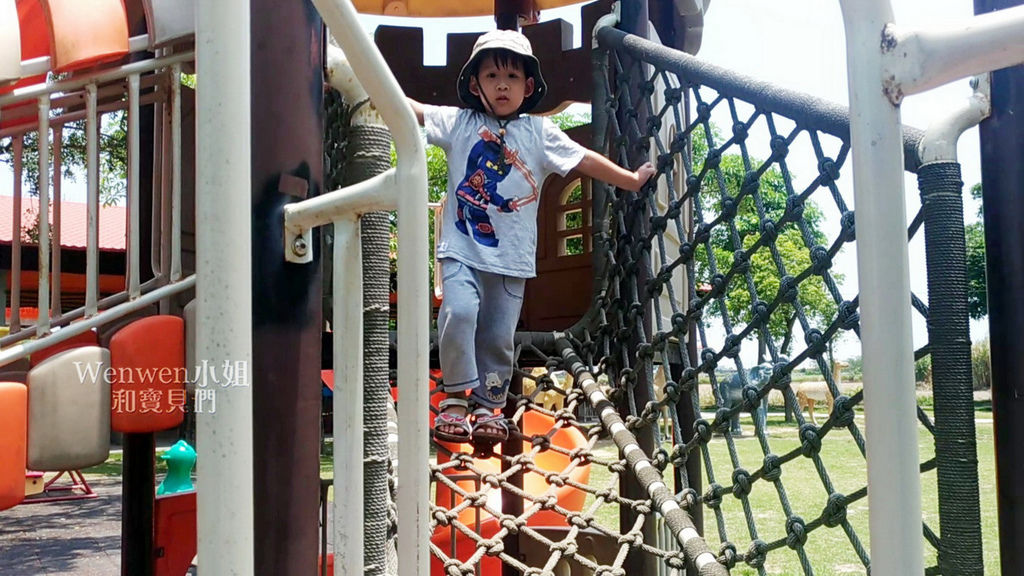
{"points": [[485, 169]]}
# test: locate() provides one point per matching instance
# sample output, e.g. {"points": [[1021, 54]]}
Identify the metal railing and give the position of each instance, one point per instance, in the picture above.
{"points": [[46, 109], [403, 188]]}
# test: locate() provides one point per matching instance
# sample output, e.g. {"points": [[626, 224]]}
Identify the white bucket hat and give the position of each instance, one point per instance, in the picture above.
{"points": [[502, 40]]}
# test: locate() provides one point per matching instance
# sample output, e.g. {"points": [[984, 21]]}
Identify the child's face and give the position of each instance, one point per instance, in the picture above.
{"points": [[505, 87]]}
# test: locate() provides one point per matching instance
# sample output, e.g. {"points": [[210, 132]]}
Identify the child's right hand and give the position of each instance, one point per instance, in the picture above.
{"points": [[643, 174]]}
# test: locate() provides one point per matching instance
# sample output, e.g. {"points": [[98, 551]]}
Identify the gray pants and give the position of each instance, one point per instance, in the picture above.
{"points": [[477, 326]]}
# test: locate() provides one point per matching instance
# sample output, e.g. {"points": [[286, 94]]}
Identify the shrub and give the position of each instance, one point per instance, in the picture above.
{"points": [[854, 372], [923, 371], [981, 365]]}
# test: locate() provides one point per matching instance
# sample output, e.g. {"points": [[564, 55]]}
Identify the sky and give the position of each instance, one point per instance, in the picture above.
{"points": [[795, 43]]}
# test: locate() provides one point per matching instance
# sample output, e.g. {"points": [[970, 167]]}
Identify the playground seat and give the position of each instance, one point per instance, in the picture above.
{"points": [[69, 411], [148, 361], [169, 20], [87, 338], [106, 331], [86, 32], [13, 426], [10, 42]]}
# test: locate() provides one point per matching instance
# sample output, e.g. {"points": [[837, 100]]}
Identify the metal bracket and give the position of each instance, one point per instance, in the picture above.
{"points": [[298, 243]]}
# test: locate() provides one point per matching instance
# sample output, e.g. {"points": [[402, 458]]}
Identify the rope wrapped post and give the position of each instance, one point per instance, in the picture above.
{"points": [[950, 342], [369, 154], [949, 335]]}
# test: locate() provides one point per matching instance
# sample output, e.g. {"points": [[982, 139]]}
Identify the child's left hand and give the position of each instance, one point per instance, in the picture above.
{"points": [[643, 174]]}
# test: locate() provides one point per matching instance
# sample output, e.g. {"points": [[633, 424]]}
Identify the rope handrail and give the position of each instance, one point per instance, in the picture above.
{"points": [[808, 111]]}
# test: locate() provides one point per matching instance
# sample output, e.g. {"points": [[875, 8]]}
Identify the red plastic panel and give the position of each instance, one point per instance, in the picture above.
{"points": [[13, 431], [175, 541], [35, 42], [87, 338], [147, 358], [86, 32]]}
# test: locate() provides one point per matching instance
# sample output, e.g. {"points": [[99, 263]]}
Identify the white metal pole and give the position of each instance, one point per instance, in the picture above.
{"points": [[17, 150], [920, 60], [413, 290], [134, 262], [92, 169], [940, 139], [413, 373], [175, 172], [58, 161], [894, 484], [224, 285], [43, 245], [348, 397]]}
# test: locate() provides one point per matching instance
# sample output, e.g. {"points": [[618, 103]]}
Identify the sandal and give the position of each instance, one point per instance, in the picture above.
{"points": [[489, 427], [460, 421]]}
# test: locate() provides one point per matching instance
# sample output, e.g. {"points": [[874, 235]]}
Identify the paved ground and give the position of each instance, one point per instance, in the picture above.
{"points": [[76, 538], [81, 537]]}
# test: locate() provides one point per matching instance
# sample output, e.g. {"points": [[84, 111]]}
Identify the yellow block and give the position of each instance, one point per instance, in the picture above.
{"points": [[33, 483]]}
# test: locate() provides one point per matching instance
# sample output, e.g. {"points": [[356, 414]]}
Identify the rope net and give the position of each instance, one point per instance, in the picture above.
{"points": [[665, 432]]}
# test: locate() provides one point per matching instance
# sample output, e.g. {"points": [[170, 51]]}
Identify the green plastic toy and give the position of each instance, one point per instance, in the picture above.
{"points": [[180, 458]]}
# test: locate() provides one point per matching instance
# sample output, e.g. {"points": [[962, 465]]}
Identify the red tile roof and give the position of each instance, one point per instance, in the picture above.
{"points": [[112, 232]]}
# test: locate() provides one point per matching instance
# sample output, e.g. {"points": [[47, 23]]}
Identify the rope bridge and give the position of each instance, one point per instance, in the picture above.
{"points": [[643, 445]]}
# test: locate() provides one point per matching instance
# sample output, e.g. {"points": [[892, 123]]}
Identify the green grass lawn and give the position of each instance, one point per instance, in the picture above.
{"points": [[115, 463], [829, 550]]}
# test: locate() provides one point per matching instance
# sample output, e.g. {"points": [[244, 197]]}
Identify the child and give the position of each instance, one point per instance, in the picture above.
{"points": [[497, 159]]}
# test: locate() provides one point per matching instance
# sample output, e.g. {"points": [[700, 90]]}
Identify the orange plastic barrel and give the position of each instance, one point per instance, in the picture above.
{"points": [[548, 461], [147, 383], [13, 432]]}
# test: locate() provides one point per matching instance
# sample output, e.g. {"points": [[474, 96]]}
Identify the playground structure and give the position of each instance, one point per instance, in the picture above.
{"points": [[644, 309]]}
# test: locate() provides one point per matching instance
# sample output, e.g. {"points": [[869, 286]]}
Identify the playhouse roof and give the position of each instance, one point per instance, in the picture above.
{"points": [[112, 229]]}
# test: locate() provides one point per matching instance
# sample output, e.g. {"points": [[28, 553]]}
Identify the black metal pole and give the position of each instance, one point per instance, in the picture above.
{"points": [[138, 480], [287, 158], [138, 474], [1002, 177], [506, 14]]}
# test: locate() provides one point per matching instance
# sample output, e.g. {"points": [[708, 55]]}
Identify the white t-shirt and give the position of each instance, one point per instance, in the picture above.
{"points": [[490, 212]]}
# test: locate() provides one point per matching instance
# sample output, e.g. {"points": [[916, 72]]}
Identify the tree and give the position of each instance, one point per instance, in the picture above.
{"points": [[977, 297], [113, 150], [790, 247]]}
